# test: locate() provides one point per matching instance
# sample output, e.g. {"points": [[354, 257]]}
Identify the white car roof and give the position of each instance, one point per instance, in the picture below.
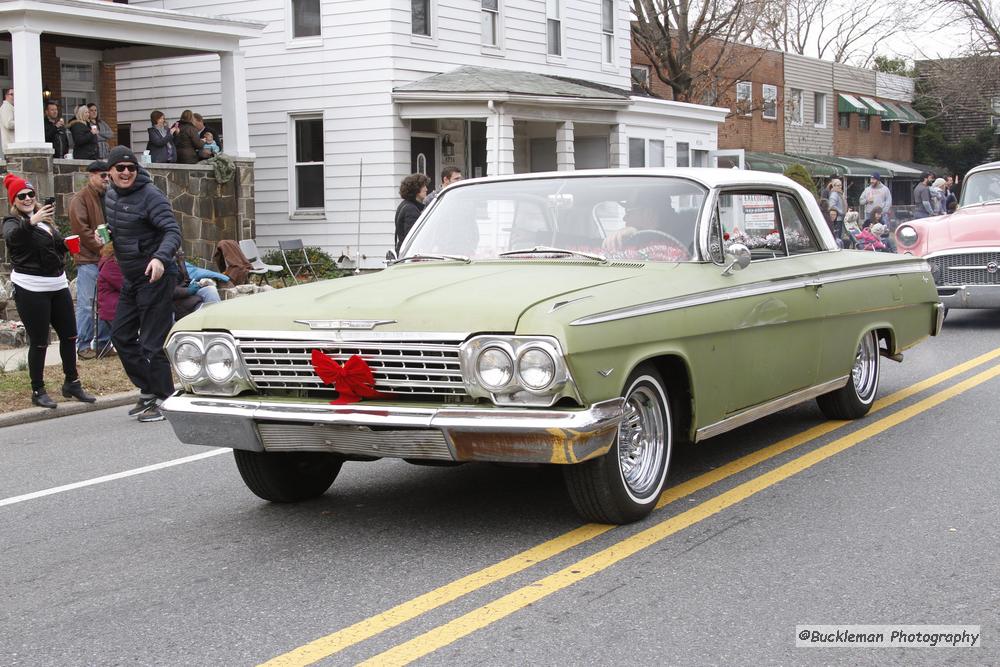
{"points": [[989, 166], [708, 177]]}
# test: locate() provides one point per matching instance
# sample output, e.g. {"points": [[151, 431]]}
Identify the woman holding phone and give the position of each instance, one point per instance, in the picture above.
{"points": [[41, 291]]}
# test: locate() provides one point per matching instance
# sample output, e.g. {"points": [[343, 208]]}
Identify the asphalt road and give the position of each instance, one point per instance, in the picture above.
{"points": [[889, 520]]}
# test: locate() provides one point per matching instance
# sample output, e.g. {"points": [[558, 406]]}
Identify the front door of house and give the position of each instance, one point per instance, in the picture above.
{"points": [[422, 157]]}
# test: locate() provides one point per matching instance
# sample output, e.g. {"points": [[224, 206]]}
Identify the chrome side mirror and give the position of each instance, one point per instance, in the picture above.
{"points": [[390, 255], [737, 258]]}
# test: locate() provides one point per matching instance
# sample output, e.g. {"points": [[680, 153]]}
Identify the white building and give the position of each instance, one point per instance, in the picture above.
{"points": [[490, 86]]}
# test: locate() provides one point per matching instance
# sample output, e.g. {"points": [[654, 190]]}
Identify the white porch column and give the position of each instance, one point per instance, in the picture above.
{"points": [[234, 104], [29, 128], [619, 146], [565, 151], [499, 143]]}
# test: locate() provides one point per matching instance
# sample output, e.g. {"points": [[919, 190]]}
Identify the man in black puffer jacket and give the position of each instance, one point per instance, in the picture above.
{"points": [[146, 237]]}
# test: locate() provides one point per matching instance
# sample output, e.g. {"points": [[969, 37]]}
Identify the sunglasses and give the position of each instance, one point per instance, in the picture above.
{"points": [[26, 195], [104, 175], [126, 167]]}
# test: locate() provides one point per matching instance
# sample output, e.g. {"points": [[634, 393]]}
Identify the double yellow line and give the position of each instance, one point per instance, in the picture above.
{"points": [[508, 604]]}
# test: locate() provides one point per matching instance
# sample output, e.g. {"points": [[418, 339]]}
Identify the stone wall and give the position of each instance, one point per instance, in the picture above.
{"points": [[208, 211]]}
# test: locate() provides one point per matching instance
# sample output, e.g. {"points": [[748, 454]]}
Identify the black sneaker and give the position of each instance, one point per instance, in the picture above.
{"points": [[143, 405], [153, 414]]}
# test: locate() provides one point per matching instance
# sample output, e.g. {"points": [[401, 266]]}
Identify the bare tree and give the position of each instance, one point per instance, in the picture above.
{"points": [[983, 19], [848, 31], [693, 45]]}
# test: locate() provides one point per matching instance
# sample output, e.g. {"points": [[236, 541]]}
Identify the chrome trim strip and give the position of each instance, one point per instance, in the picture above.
{"points": [[559, 304], [755, 413], [752, 289], [961, 251], [354, 325], [354, 336]]}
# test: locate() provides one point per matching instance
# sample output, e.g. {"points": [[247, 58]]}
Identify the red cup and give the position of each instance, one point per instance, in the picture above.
{"points": [[73, 243]]}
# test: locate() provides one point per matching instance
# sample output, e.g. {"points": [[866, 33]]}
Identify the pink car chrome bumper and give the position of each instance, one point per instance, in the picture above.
{"points": [[970, 296]]}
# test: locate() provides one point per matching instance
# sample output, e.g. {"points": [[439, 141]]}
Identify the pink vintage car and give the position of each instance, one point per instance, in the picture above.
{"points": [[963, 248]]}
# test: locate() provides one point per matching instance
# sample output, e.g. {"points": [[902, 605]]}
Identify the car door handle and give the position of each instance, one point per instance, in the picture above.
{"points": [[816, 285]]}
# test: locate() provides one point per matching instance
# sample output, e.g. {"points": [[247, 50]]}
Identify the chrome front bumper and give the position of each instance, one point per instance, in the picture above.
{"points": [[509, 435], [970, 296]]}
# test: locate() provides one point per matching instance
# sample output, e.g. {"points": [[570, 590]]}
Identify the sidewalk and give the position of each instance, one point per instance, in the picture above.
{"points": [[17, 358]]}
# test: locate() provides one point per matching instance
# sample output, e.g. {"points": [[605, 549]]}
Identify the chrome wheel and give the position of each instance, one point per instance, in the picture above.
{"points": [[864, 374], [623, 485], [641, 442]]}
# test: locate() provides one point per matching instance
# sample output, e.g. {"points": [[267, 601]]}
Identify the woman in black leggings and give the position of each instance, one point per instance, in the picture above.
{"points": [[41, 291]]}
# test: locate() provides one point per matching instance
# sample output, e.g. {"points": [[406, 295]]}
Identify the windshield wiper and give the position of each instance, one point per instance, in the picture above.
{"points": [[545, 250], [418, 257]]}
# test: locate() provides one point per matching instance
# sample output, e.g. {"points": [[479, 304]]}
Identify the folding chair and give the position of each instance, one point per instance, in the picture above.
{"points": [[296, 269], [257, 267]]}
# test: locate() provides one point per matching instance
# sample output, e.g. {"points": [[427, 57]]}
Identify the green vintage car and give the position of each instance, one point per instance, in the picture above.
{"points": [[591, 320]]}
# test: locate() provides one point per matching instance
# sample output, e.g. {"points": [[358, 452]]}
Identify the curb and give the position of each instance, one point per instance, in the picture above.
{"points": [[66, 408]]}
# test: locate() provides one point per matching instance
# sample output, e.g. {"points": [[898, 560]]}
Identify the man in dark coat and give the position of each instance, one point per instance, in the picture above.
{"points": [[55, 130], [146, 237]]}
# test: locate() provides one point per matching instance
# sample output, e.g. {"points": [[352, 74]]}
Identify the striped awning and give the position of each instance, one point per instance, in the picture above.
{"points": [[850, 104], [893, 112], [876, 107], [912, 114]]}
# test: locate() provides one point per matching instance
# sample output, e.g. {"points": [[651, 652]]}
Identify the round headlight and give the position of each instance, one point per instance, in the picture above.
{"points": [[188, 360], [219, 362], [494, 367], [536, 368], [907, 235]]}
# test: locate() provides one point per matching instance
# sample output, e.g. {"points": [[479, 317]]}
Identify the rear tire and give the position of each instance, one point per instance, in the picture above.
{"points": [[623, 485], [287, 477], [855, 399]]}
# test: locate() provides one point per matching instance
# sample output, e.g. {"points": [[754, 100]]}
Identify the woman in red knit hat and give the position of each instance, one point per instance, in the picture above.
{"points": [[41, 291]]}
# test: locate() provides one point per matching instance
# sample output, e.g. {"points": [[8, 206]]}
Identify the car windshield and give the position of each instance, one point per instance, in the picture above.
{"points": [[981, 187], [650, 218]]}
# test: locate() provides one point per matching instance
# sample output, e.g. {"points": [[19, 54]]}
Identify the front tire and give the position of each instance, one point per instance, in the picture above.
{"points": [[623, 485], [855, 399], [287, 477]]}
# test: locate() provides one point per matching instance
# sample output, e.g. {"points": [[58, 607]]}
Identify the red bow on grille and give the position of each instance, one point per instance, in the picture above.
{"points": [[353, 381]]}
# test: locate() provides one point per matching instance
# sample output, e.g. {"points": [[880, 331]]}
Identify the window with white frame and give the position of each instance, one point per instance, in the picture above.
{"points": [[819, 109], [744, 98], [491, 22], [655, 153], [309, 186], [645, 152], [995, 116], [420, 17], [636, 152], [305, 18], [770, 99], [553, 27], [683, 154], [608, 31], [79, 85], [795, 106]]}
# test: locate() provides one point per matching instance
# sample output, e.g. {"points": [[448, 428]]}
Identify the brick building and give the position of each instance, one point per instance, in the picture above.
{"points": [[830, 117]]}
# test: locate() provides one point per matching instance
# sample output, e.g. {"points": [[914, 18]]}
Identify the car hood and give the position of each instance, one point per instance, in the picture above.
{"points": [[453, 297], [968, 228]]}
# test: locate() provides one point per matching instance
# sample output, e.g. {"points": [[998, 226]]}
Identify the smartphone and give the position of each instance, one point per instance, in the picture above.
{"points": [[50, 201]]}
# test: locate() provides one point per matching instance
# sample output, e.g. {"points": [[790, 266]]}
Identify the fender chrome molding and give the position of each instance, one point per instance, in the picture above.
{"points": [[756, 412]]}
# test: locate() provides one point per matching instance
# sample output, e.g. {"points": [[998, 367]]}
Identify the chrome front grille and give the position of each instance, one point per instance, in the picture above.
{"points": [[971, 268], [400, 368]]}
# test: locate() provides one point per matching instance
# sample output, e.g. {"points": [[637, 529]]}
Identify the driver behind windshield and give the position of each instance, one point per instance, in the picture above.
{"points": [[650, 220]]}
